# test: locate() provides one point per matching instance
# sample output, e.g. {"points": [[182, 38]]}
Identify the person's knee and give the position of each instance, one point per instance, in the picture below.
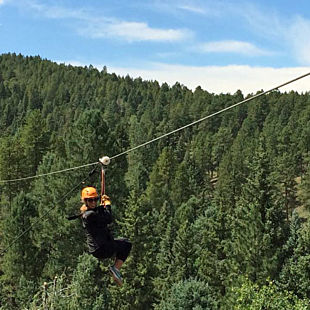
{"points": [[128, 245]]}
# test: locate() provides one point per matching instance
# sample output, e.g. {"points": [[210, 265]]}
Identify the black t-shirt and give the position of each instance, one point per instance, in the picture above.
{"points": [[95, 222]]}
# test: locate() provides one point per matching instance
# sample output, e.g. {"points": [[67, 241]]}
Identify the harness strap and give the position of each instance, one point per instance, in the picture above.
{"points": [[102, 184]]}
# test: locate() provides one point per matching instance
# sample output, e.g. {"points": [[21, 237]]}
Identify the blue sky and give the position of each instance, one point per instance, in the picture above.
{"points": [[222, 46]]}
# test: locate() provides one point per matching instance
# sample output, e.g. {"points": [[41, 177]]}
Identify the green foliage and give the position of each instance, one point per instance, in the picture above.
{"points": [[188, 295], [251, 296], [295, 273], [19, 259], [86, 289], [209, 239], [304, 193], [212, 202], [34, 141], [259, 227]]}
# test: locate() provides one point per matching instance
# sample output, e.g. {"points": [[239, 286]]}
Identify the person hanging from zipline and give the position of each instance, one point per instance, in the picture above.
{"points": [[101, 244]]}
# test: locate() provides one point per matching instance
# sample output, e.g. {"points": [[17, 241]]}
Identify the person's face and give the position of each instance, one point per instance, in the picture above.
{"points": [[91, 202]]}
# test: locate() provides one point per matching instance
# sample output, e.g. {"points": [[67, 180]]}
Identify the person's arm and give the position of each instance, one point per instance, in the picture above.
{"points": [[89, 217], [105, 210]]}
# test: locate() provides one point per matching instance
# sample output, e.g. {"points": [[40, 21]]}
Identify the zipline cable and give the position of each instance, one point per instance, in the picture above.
{"points": [[209, 116], [48, 173], [164, 135], [47, 211]]}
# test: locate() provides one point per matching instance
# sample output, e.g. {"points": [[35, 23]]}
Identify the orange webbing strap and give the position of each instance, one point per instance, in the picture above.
{"points": [[102, 184]]}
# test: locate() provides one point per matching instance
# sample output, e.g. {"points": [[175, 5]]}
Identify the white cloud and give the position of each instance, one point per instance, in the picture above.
{"points": [[225, 79], [135, 31], [95, 26], [192, 9], [264, 23], [291, 33], [299, 36], [216, 79], [56, 12], [208, 8], [231, 46]]}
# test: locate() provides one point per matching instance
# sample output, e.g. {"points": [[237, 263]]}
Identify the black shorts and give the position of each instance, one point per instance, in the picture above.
{"points": [[119, 248]]}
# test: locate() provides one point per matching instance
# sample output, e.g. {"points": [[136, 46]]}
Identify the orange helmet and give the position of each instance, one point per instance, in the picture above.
{"points": [[89, 192]]}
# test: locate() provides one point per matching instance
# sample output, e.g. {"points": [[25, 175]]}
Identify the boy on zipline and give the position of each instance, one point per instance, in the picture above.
{"points": [[101, 244]]}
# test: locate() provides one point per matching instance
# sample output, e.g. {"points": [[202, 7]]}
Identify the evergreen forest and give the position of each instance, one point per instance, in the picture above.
{"points": [[217, 213]]}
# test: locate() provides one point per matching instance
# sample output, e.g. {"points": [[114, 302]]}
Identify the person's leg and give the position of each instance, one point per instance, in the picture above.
{"points": [[104, 252], [118, 263], [108, 251], [122, 250]]}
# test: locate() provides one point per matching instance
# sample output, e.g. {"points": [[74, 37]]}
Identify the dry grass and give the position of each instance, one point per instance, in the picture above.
{"points": [[303, 212]]}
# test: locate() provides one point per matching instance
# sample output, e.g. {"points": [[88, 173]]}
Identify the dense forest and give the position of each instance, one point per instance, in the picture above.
{"points": [[217, 213]]}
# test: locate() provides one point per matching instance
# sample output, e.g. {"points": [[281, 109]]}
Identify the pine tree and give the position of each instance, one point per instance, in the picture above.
{"points": [[144, 229], [210, 238], [58, 240], [183, 265], [20, 254], [295, 272], [12, 166], [259, 229], [34, 140], [268, 296], [88, 287], [189, 294], [304, 192]]}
